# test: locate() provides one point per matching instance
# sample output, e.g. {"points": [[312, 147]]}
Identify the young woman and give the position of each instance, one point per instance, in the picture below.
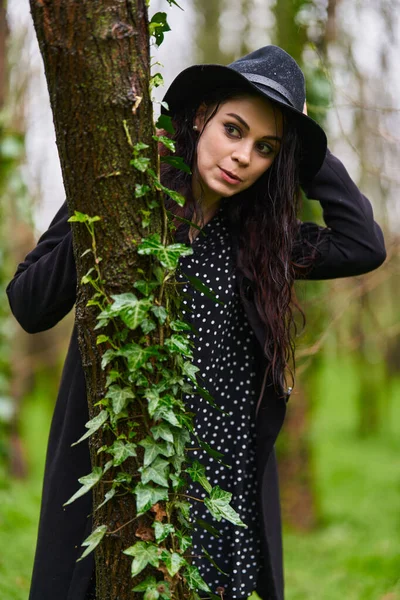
{"points": [[251, 148]]}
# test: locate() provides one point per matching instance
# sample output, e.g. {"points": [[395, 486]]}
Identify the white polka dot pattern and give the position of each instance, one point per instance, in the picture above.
{"points": [[224, 351]]}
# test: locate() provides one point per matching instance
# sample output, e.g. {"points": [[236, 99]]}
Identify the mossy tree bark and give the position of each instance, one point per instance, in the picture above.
{"points": [[96, 57]]}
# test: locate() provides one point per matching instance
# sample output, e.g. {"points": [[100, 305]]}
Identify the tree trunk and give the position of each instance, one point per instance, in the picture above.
{"points": [[96, 57]]}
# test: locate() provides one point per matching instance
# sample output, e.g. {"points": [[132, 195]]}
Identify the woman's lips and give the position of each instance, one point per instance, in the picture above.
{"points": [[229, 177]]}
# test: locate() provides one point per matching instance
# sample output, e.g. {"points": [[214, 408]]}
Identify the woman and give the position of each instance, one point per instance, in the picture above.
{"points": [[250, 146]]}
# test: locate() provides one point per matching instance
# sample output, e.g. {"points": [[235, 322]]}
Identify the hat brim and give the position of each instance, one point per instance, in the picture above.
{"points": [[193, 84]]}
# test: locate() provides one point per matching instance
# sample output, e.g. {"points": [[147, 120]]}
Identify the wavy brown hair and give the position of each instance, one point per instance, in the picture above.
{"points": [[263, 219]]}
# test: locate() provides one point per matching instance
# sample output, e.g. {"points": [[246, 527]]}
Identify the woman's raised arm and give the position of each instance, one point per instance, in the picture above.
{"points": [[352, 242], [43, 289]]}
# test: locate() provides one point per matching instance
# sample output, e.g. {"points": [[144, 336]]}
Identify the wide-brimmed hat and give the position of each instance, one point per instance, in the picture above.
{"points": [[274, 74]]}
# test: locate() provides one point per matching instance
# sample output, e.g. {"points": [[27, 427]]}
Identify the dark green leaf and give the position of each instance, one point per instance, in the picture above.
{"points": [[212, 561], [165, 122], [181, 438], [158, 26], [166, 141], [208, 527], [178, 163], [180, 326], [200, 287], [190, 370], [218, 456]]}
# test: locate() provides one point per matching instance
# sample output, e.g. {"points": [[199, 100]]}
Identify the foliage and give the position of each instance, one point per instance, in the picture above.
{"points": [[147, 376]]}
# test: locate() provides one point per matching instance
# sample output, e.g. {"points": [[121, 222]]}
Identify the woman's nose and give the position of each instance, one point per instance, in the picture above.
{"points": [[242, 155]]}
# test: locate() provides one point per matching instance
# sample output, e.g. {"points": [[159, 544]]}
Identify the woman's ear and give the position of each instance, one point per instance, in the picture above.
{"points": [[200, 117]]}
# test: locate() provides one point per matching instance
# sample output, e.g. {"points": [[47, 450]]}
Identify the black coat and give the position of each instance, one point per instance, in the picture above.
{"points": [[43, 291]]}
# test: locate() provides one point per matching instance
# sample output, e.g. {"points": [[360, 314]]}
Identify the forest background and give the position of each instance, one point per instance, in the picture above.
{"points": [[339, 451]]}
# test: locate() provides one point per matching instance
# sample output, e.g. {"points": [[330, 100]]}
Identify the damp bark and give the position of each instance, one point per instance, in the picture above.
{"points": [[96, 57]]}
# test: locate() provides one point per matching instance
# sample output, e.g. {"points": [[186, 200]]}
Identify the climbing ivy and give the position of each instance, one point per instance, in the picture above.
{"points": [[145, 384]]}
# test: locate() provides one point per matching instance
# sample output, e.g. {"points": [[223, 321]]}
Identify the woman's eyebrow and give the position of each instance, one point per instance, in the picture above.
{"points": [[245, 125]]}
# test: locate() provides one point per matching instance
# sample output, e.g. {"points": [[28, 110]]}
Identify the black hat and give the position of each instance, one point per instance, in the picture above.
{"points": [[270, 71]]}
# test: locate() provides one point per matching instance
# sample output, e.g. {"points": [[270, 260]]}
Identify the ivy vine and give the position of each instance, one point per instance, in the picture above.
{"points": [[147, 381]]}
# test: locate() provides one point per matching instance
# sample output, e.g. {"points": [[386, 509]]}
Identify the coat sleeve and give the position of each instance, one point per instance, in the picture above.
{"points": [[351, 243], [43, 289]]}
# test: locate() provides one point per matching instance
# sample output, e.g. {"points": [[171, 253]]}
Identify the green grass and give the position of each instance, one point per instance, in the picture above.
{"points": [[355, 553]]}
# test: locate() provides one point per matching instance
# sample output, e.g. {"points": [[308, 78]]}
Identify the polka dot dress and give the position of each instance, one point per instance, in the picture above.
{"points": [[223, 351]]}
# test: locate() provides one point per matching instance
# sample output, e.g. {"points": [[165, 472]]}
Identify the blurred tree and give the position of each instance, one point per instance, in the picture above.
{"points": [[299, 26]]}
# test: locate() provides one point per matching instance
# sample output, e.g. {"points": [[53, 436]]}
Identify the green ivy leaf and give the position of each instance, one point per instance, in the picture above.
{"points": [[79, 217], [110, 494], [93, 425], [162, 530], [155, 81], [183, 512], [93, 540], [197, 473], [190, 370], [145, 287], [219, 507], [141, 190], [180, 326], [119, 397], [174, 562], [200, 287], [218, 456], [212, 561], [160, 313], [177, 343], [147, 496], [101, 339], [158, 26], [139, 146], [185, 541], [162, 430], [147, 583], [165, 122], [208, 527], [195, 580], [152, 449], [178, 163], [121, 451], [157, 472], [167, 255], [166, 141], [147, 325], [144, 553], [88, 481], [141, 163], [181, 438]]}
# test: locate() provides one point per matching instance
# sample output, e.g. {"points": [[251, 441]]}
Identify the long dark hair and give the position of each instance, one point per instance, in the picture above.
{"points": [[264, 220]]}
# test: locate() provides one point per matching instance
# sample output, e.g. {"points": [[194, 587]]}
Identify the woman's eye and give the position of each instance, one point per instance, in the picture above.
{"points": [[232, 130], [265, 148]]}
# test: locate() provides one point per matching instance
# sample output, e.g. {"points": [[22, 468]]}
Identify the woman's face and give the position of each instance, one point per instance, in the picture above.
{"points": [[236, 146]]}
